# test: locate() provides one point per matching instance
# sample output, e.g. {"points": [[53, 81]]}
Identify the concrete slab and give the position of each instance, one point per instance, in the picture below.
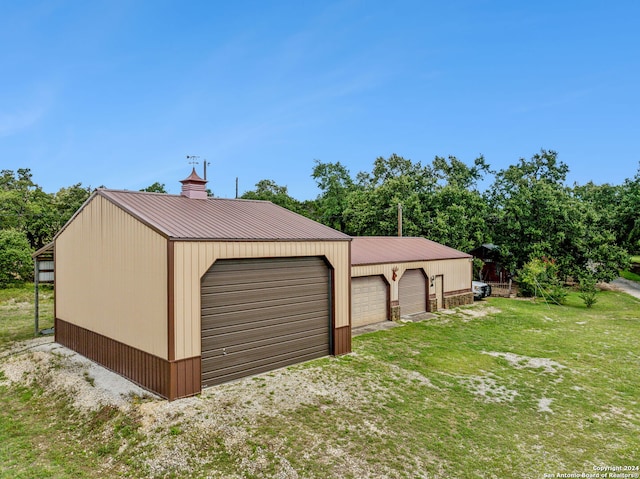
{"points": [[370, 328]]}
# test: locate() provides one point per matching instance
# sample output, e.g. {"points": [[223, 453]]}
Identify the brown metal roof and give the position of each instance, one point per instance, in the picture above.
{"points": [[179, 217], [395, 249]]}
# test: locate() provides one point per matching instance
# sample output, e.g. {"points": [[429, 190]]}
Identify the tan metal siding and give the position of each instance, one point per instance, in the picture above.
{"points": [[262, 314], [193, 259], [369, 300], [456, 273], [111, 277]]}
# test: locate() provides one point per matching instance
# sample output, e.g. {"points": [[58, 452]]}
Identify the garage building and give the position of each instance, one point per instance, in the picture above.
{"points": [[180, 292], [394, 276]]}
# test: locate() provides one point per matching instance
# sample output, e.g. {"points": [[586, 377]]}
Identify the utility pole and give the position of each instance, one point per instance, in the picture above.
{"points": [[205, 163], [399, 219], [236, 187]]}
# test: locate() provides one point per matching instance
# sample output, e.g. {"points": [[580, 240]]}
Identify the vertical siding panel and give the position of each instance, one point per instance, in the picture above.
{"points": [[110, 275]]}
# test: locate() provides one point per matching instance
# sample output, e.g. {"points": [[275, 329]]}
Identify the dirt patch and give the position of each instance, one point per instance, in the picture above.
{"points": [[480, 312], [488, 389], [520, 362], [543, 405], [63, 371]]}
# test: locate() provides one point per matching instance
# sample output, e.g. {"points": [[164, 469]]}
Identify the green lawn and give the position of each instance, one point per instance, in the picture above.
{"points": [[518, 389], [17, 312], [630, 276]]}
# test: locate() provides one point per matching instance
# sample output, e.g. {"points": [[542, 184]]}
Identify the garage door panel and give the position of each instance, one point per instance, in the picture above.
{"points": [[249, 271], [260, 314], [255, 346], [369, 300], [271, 295], [212, 329], [230, 286], [230, 336], [220, 372], [243, 314], [412, 292]]}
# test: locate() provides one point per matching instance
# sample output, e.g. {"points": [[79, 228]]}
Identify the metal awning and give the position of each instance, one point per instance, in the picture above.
{"points": [[44, 272]]}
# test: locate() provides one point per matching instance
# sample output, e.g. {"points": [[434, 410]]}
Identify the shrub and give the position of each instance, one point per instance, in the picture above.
{"points": [[16, 265], [588, 291], [539, 278]]}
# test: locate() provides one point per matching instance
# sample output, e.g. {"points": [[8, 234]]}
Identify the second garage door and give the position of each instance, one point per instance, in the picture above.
{"points": [[262, 314], [412, 292], [369, 300]]}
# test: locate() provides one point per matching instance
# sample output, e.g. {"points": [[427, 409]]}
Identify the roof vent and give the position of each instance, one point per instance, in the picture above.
{"points": [[194, 187]]}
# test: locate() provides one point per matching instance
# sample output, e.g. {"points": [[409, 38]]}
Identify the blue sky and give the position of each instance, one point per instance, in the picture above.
{"points": [[117, 93]]}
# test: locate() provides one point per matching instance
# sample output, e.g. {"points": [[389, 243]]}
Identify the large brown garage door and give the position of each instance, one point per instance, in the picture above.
{"points": [[263, 314], [369, 300], [412, 292]]}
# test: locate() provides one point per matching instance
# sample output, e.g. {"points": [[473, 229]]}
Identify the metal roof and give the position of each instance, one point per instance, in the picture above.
{"points": [[179, 217], [396, 249]]}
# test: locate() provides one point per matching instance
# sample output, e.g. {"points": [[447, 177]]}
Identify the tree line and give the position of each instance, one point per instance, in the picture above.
{"points": [[527, 210]]}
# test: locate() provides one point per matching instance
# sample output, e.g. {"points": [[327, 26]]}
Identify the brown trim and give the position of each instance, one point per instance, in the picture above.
{"points": [[171, 320], [342, 340], [259, 240], [349, 289], [185, 377], [439, 301], [169, 379], [454, 293], [142, 368], [55, 296], [332, 305]]}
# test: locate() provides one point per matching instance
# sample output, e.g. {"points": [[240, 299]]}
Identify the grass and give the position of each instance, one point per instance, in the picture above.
{"points": [[527, 389], [17, 312], [630, 276]]}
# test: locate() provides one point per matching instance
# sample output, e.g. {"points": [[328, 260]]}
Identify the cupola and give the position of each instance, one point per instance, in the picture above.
{"points": [[194, 187]]}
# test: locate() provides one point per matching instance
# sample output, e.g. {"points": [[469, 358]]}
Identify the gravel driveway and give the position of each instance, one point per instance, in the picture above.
{"points": [[630, 287]]}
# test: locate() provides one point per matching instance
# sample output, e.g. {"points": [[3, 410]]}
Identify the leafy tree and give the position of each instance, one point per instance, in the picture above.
{"points": [[536, 215], [41, 219], [457, 218], [372, 205], [269, 190], [155, 188], [336, 184], [69, 200], [603, 200], [15, 192], [629, 214], [456, 173], [457, 212], [16, 265]]}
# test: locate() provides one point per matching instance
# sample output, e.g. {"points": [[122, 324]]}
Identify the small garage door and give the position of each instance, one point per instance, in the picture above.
{"points": [[369, 295], [263, 314], [412, 292]]}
